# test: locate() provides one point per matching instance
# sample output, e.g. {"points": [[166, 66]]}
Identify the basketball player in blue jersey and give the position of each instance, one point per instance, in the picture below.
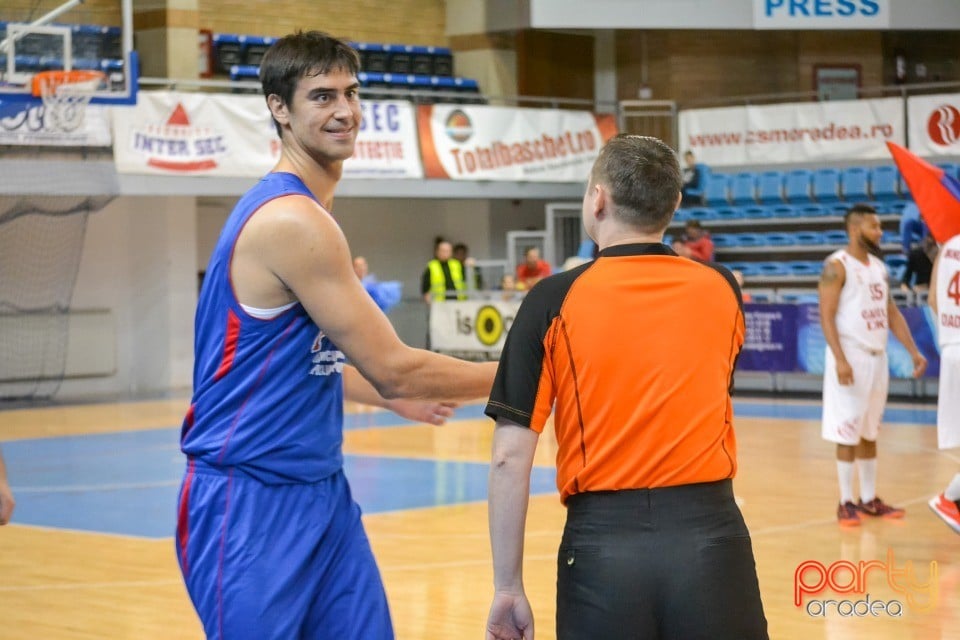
{"points": [[269, 539]]}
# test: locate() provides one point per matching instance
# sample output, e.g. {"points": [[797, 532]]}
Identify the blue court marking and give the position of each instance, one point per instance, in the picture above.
{"points": [[387, 419], [127, 483], [892, 415]]}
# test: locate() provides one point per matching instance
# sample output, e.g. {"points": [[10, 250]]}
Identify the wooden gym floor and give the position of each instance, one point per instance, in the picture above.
{"points": [[90, 552]]}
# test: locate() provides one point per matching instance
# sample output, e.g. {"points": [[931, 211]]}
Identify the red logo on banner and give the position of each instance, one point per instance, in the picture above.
{"points": [[458, 126], [944, 125], [178, 146]]}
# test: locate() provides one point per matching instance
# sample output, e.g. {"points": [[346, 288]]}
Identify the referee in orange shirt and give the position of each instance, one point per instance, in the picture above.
{"points": [[636, 351]]}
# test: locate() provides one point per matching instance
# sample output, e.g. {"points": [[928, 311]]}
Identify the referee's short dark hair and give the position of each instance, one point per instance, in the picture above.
{"points": [[642, 176]]}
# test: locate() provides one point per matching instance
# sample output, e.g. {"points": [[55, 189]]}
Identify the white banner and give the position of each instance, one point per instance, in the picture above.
{"points": [[471, 325], [791, 133], [934, 124], [29, 123], [821, 14], [463, 142], [172, 133]]}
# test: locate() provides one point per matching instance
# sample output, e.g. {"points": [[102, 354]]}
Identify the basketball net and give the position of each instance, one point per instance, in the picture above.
{"points": [[65, 96]]}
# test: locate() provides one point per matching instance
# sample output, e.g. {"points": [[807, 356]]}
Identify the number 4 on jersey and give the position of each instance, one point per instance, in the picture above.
{"points": [[953, 289]]}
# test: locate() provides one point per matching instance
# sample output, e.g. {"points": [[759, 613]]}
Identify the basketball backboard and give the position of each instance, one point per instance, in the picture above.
{"points": [[46, 36]]}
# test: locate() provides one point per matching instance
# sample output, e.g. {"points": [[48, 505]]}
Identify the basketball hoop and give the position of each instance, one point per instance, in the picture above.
{"points": [[65, 95]]}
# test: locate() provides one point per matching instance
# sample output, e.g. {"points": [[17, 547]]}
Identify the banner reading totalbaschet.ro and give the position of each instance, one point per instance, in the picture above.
{"points": [[793, 133], [463, 142], [199, 134]]}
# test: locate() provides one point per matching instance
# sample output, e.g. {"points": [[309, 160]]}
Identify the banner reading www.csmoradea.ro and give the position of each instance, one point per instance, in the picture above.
{"points": [[506, 143], [198, 134]]}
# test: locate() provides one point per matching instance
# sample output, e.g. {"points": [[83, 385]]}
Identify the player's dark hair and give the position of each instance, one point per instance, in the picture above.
{"points": [[856, 212], [302, 54]]}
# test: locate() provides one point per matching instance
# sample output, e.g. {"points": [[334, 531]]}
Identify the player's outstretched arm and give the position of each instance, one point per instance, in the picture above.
{"points": [[7, 503], [306, 250], [509, 494], [357, 389], [829, 288]]}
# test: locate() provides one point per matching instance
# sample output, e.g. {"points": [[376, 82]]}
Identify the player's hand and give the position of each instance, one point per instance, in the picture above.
{"points": [[844, 372], [919, 364], [510, 617], [435, 413], [6, 503]]}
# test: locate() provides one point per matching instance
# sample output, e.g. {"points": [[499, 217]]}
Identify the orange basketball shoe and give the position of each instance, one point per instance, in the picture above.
{"points": [[947, 510]]}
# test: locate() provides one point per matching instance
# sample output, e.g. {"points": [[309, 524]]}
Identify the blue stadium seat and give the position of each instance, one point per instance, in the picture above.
{"points": [[853, 184], [826, 185], [837, 209], [949, 168], [895, 260], [771, 269], [883, 183], [890, 237], [752, 239], [244, 72], [809, 237], [681, 215], [784, 211], [729, 213], [716, 193], [770, 187], [797, 185], [804, 268], [811, 210], [835, 237], [746, 268], [896, 207], [725, 240], [743, 187], [799, 297], [702, 213], [227, 51], [777, 239], [757, 212]]}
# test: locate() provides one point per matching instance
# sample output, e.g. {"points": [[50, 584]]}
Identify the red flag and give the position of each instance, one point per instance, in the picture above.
{"points": [[936, 193]]}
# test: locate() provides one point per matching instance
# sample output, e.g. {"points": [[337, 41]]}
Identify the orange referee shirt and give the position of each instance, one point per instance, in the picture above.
{"points": [[636, 350]]}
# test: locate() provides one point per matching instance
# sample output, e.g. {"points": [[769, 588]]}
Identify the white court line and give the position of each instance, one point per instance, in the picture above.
{"points": [[68, 586]]}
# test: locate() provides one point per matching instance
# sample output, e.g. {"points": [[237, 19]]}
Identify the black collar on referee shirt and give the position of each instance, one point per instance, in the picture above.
{"points": [[637, 249]]}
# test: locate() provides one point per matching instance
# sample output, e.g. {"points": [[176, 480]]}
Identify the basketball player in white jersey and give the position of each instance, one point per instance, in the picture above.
{"points": [[857, 313], [944, 299]]}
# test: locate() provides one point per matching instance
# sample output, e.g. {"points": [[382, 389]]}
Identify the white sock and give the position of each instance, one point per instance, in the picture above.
{"points": [[867, 468], [845, 474], [952, 492]]}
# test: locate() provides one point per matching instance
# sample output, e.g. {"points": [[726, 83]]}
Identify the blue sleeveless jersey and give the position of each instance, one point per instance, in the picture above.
{"points": [[267, 394]]}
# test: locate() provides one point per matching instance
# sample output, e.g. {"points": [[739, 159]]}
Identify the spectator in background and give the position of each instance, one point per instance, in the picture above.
{"points": [[443, 277], [697, 240], [384, 294], [532, 270], [912, 227], [508, 288], [462, 253], [919, 265], [738, 276], [692, 190]]}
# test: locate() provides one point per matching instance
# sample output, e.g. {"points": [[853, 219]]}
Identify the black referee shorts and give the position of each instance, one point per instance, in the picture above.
{"points": [[674, 563]]}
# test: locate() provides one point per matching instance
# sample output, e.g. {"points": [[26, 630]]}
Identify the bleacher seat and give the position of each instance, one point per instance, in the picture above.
{"points": [[890, 237], [784, 211], [777, 239], [227, 52], [798, 297], [949, 168], [811, 210], [837, 209], [254, 47], [725, 240], [809, 237], [883, 183], [756, 212], [770, 187], [826, 185], [853, 184], [752, 239], [702, 213], [797, 186], [835, 237], [771, 269], [743, 188], [373, 57], [244, 72], [746, 268], [804, 268], [729, 213], [896, 207], [716, 192]]}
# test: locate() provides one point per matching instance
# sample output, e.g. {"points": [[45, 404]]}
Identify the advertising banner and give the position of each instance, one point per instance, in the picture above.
{"points": [[30, 123], [471, 326], [793, 133], [934, 124], [469, 142]]}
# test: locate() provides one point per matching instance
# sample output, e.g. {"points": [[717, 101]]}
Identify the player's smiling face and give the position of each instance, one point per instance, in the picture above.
{"points": [[325, 114]]}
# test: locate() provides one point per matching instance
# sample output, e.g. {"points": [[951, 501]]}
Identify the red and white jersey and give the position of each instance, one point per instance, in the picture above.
{"points": [[862, 312], [948, 293]]}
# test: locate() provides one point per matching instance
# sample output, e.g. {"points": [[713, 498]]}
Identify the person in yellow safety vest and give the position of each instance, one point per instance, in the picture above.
{"points": [[443, 277]]}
